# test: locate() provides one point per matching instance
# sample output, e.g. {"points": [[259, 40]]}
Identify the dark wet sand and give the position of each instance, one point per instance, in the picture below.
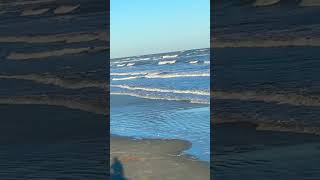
{"points": [[156, 159]]}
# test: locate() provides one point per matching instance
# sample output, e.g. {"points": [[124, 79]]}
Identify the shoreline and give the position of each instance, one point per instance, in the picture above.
{"points": [[156, 159]]}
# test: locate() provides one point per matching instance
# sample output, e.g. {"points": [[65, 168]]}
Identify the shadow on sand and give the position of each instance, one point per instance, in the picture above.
{"points": [[116, 170]]}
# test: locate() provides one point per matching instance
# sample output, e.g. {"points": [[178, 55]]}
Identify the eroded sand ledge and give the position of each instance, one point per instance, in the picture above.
{"points": [[156, 159]]}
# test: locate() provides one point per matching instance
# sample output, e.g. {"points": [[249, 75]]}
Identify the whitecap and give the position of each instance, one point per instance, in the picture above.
{"points": [[166, 62]]}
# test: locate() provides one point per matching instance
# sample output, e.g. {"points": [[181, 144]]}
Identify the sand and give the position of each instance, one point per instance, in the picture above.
{"points": [[151, 159]]}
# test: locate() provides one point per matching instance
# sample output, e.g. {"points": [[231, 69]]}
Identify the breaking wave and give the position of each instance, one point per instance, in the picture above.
{"points": [[128, 74], [176, 75], [65, 37], [170, 56], [266, 42], [66, 9], [193, 62], [125, 78], [166, 62], [272, 97], [159, 75], [54, 53], [194, 92], [65, 83], [130, 64], [56, 101]]}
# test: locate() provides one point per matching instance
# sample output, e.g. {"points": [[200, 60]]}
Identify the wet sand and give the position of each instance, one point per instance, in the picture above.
{"points": [[154, 159]]}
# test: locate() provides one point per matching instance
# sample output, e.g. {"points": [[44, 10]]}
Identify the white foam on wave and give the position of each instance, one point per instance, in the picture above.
{"points": [[155, 75], [130, 64], [159, 98], [175, 91], [144, 59], [193, 62], [206, 62], [166, 62], [177, 75], [128, 73], [130, 60], [121, 65], [124, 78], [169, 56]]}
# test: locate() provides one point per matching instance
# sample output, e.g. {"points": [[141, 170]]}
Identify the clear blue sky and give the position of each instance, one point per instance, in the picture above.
{"points": [[139, 27]]}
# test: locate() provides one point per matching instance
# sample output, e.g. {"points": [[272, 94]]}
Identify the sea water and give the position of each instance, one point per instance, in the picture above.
{"points": [[163, 96]]}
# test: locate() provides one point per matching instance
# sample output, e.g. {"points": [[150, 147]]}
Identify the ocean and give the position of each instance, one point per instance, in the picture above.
{"points": [[53, 61], [266, 89], [163, 96]]}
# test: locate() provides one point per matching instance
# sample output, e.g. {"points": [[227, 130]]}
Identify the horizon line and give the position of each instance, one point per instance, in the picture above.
{"points": [[159, 53]]}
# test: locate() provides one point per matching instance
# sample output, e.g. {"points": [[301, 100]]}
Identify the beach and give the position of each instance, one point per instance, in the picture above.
{"points": [[161, 159], [159, 106]]}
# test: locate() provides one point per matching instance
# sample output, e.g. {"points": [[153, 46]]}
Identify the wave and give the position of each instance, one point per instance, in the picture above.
{"points": [[121, 65], [128, 73], [194, 92], [167, 62], [18, 3], [64, 83], [265, 2], [169, 56], [64, 9], [266, 42], [57, 101], [130, 60], [54, 53], [64, 37], [144, 59], [310, 3], [206, 62], [193, 62], [160, 98], [125, 78], [273, 125], [271, 97], [176, 75], [154, 75], [130, 64], [31, 12]]}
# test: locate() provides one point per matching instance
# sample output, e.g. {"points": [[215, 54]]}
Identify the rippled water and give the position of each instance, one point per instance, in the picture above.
{"points": [[266, 68], [163, 96]]}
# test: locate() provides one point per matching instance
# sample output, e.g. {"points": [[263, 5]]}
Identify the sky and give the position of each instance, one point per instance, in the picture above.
{"points": [[141, 27]]}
